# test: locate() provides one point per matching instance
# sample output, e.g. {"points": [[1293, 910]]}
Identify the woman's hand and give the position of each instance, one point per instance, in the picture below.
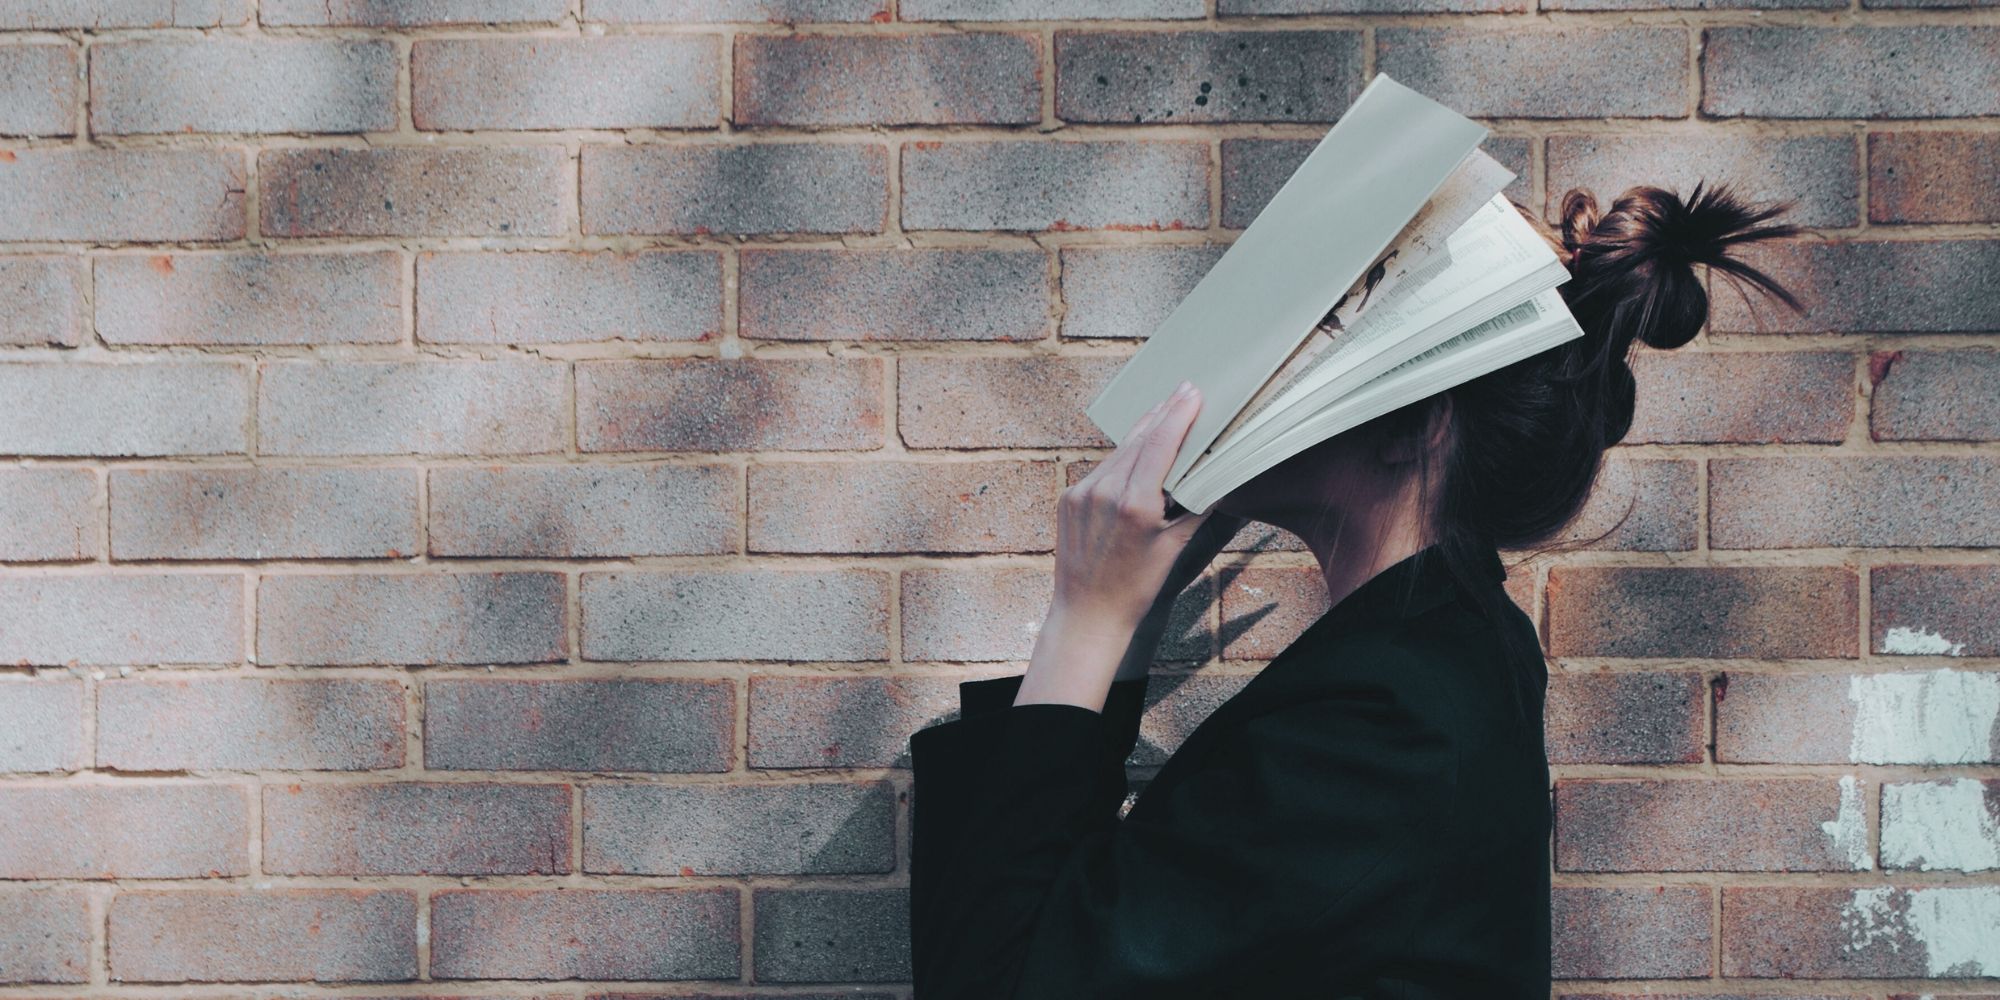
{"points": [[1115, 548]]}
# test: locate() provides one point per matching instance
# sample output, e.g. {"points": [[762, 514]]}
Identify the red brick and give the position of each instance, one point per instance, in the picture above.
{"points": [[105, 619], [1206, 76], [1127, 292], [762, 828], [409, 13], [679, 725], [1933, 177], [1904, 717], [605, 81], [739, 404], [39, 86], [123, 195], [927, 295], [1928, 610], [447, 406], [771, 187], [973, 613], [990, 402], [48, 515], [322, 935], [44, 299], [1656, 932], [902, 506], [127, 830], [1870, 286], [416, 191], [42, 723], [1056, 185], [832, 935], [1707, 612], [1640, 504], [986, 77], [1904, 500], [1872, 932], [1264, 608], [1935, 396], [1900, 71], [1623, 72], [417, 829], [309, 513], [249, 724], [1707, 825], [1625, 718], [101, 14], [355, 618], [553, 297], [250, 298], [585, 934], [712, 11], [44, 936], [1691, 397], [1820, 172], [736, 614], [275, 85], [576, 511], [153, 408]]}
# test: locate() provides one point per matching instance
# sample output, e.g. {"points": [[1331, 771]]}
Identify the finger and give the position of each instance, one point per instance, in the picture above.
{"points": [[1150, 465]]}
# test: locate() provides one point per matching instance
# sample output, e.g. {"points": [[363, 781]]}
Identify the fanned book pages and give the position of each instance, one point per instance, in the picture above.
{"points": [[1388, 268]]}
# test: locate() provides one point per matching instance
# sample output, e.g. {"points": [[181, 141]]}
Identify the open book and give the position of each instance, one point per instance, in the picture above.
{"points": [[1389, 267]]}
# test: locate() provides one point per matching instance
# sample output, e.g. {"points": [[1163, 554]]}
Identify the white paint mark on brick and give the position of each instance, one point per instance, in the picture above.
{"points": [[1847, 832], [1924, 717], [1935, 825], [1905, 641], [1957, 927]]}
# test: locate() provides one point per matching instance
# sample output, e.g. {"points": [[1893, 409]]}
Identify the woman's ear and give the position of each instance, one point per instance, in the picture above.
{"points": [[1403, 448]]}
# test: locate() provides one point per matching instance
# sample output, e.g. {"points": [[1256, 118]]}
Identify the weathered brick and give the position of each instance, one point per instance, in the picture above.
{"points": [[988, 77], [100, 14], [354, 618], [1908, 717], [1264, 608], [585, 934], [1935, 396], [1655, 498], [416, 191], [976, 613], [1625, 718], [315, 513], [1821, 173], [249, 724], [409, 13], [605, 81], [991, 402], [748, 614], [1730, 996], [1604, 932], [713, 11], [126, 195], [1127, 292], [41, 727], [275, 85], [434, 406], [929, 295], [902, 506], [1055, 185], [772, 187], [1933, 177], [1229, 8], [1933, 610], [38, 89], [1206, 76], [568, 297], [48, 515], [1693, 5], [455, 828], [100, 619], [1952, 824], [1773, 503], [762, 828], [1688, 397], [1625, 72], [1046, 10], [1710, 824], [44, 936], [45, 301], [250, 298], [1871, 286], [151, 830], [842, 721], [154, 408], [680, 725], [1898, 71], [1175, 705], [1708, 612], [575, 511], [1872, 932], [832, 935], [730, 404], [322, 935]]}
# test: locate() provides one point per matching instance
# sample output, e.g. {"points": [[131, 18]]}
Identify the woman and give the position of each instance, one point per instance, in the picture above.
{"points": [[1369, 815]]}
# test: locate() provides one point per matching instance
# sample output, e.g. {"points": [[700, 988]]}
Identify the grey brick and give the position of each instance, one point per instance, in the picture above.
{"points": [[1059, 185], [242, 934], [729, 404], [250, 298], [678, 725], [359, 619], [416, 191], [1905, 500], [275, 85], [832, 935], [436, 406], [1128, 291], [1206, 76], [1900, 71], [1820, 172], [1936, 396], [988, 77], [974, 614], [855, 721], [928, 295], [409, 13], [48, 515], [122, 195], [249, 724], [615, 81], [155, 408], [314, 513], [124, 830], [1871, 286], [1047, 10], [1656, 498], [570, 933], [1933, 610], [902, 506], [428, 828], [1932, 176], [1718, 397], [815, 828], [712, 11], [103, 619], [100, 14], [780, 187], [1694, 5], [585, 510], [966, 402], [556, 297], [41, 729], [1625, 72], [45, 936], [747, 614], [44, 297], [38, 89]]}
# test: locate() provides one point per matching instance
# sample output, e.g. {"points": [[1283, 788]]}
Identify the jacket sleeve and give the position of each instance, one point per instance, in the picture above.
{"points": [[1314, 822]]}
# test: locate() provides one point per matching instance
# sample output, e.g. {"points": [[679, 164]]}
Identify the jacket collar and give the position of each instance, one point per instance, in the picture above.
{"points": [[1418, 583]]}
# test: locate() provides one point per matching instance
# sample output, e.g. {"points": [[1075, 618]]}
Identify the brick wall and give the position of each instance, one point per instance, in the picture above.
{"points": [[487, 502]]}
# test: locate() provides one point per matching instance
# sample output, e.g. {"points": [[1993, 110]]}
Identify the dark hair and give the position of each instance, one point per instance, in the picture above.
{"points": [[1526, 441]]}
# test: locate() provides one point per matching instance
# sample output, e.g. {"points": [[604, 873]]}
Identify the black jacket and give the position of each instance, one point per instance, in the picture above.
{"points": [[1366, 817]]}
